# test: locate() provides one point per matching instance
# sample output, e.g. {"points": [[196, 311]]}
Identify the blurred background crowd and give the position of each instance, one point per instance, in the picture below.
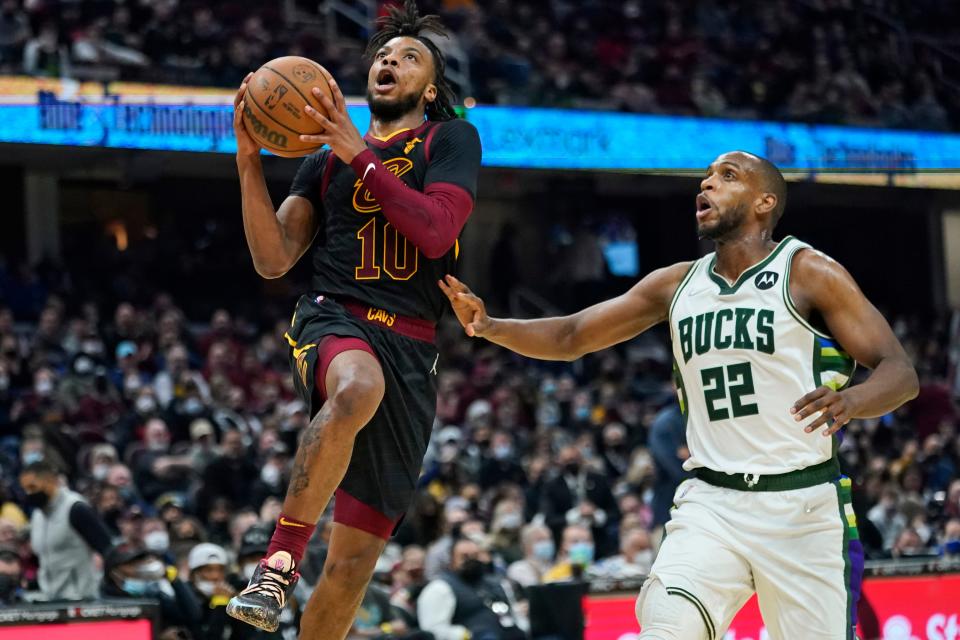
{"points": [[176, 434], [890, 63], [147, 414]]}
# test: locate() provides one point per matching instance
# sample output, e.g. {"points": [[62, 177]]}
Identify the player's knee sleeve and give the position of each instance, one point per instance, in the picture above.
{"points": [[666, 617]]}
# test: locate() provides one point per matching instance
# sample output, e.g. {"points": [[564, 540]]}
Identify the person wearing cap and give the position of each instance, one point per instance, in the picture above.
{"points": [[170, 507], [65, 533], [203, 444], [208, 564], [126, 375], [133, 571], [130, 523]]}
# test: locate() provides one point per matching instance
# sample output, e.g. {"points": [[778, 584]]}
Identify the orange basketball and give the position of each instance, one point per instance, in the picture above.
{"points": [[273, 105]]}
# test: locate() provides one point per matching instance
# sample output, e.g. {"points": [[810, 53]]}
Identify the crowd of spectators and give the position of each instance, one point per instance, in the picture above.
{"points": [[180, 436], [889, 63]]}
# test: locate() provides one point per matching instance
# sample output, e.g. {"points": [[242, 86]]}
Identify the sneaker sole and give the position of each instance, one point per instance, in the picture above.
{"points": [[254, 615]]}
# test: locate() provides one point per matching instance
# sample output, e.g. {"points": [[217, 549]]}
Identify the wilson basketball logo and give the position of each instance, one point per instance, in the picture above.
{"points": [[363, 200], [263, 131]]}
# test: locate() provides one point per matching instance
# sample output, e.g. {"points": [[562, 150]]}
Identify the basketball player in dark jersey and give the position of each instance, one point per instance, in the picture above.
{"points": [[381, 215]]}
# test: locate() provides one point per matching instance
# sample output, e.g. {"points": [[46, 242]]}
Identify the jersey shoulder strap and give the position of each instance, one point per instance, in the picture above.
{"points": [[430, 134], [688, 276], [327, 172]]}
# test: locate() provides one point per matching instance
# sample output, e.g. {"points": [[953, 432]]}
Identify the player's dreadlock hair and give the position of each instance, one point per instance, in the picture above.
{"points": [[407, 21]]}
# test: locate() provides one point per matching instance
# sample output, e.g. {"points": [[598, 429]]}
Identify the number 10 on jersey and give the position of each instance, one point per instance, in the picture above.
{"points": [[400, 257]]}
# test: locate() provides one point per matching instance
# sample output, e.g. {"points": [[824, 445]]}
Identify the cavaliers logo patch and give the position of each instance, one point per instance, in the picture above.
{"points": [[363, 200]]}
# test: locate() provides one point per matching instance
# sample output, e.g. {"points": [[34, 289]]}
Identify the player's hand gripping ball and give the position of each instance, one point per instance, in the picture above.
{"points": [[270, 106]]}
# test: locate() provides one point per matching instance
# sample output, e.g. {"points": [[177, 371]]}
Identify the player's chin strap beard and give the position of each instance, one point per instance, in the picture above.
{"points": [[392, 111]]}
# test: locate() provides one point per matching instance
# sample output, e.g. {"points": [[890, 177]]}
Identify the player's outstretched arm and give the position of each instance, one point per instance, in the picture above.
{"points": [[276, 239], [820, 283], [570, 337]]}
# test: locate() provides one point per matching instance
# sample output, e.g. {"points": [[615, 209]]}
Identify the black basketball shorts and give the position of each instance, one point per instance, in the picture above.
{"points": [[388, 452]]}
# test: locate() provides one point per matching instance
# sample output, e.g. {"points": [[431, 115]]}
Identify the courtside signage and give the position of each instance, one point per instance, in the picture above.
{"points": [[906, 608], [156, 117]]}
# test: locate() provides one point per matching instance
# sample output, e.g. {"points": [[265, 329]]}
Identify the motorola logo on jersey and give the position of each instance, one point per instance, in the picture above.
{"points": [[766, 279]]}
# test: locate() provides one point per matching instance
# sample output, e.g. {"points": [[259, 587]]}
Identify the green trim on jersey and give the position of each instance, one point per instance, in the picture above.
{"points": [[727, 289], [842, 486], [681, 392], [683, 593], [792, 308], [832, 366], [676, 294]]}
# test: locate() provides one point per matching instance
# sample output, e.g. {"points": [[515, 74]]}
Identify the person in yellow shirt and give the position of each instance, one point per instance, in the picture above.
{"points": [[576, 555]]}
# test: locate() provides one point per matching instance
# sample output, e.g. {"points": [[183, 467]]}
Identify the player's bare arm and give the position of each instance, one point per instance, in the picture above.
{"points": [[277, 238], [570, 337], [821, 284]]}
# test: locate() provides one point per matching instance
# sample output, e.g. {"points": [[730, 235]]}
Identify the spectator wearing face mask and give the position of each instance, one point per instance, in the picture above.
{"points": [[273, 474], [538, 553], [134, 572], [156, 538], [143, 406], [208, 577], [102, 457], [65, 532], [40, 404], [465, 603], [635, 557], [576, 555], [88, 396], [11, 576], [499, 465], [578, 495], [616, 450], [171, 383], [127, 376]]}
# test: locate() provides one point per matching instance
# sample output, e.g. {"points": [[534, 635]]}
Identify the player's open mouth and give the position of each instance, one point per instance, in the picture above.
{"points": [[704, 206], [386, 81]]}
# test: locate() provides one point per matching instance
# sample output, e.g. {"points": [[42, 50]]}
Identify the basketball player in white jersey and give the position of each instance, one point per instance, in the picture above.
{"points": [[765, 339]]}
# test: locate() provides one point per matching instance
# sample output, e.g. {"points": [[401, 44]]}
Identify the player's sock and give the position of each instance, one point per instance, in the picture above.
{"points": [[292, 536]]}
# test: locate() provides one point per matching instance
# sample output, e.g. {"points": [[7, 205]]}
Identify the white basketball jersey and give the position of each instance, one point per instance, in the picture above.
{"points": [[743, 356]]}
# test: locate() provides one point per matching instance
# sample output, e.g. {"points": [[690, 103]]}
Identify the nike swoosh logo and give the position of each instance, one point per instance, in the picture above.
{"points": [[367, 170], [287, 523]]}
